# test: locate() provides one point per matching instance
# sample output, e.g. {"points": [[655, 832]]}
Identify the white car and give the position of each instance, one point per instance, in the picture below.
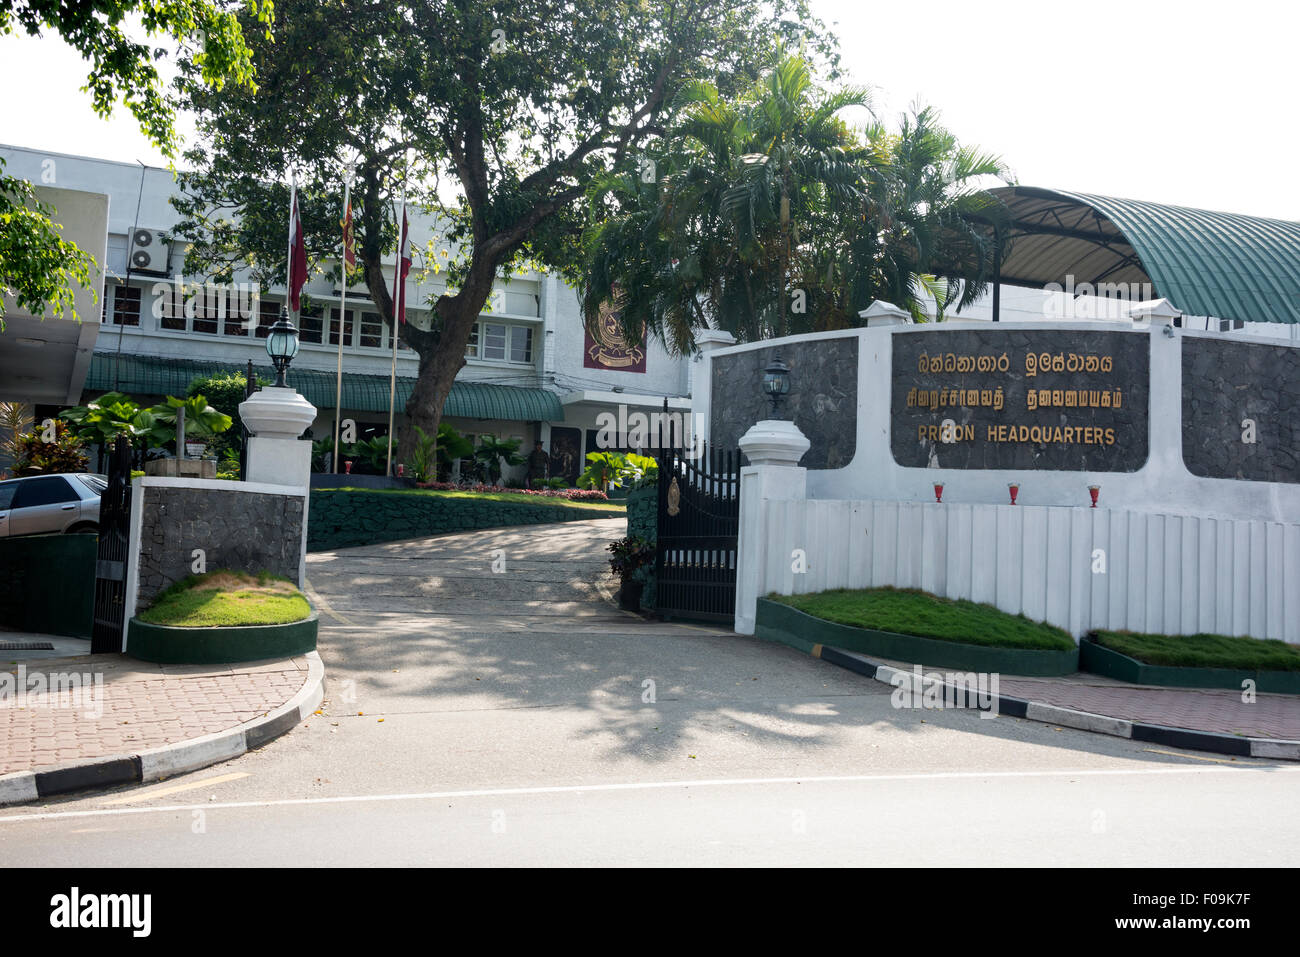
{"points": [[39, 504]]}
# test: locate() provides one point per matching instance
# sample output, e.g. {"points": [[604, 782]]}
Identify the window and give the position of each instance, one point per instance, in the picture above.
{"points": [[96, 483], [44, 491], [371, 331], [268, 314], [170, 308], [310, 324], [494, 340], [521, 344], [501, 342], [7, 490], [1227, 325], [207, 308], [241, 307], [122, 308], [334, 328]]}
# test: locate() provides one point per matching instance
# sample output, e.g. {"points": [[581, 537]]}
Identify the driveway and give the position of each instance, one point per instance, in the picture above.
{"points": [[486, 703]]}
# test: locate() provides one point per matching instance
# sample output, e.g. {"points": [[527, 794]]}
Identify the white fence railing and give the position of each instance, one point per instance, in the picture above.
{"points": [[1078, 568]]}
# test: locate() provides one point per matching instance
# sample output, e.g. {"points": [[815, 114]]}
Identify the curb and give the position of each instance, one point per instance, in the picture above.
{"points": [[156, 764], [1211, 741]]}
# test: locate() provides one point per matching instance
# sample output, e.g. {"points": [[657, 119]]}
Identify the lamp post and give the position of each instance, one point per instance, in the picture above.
{"points": [[776, 384], [282, 346]]}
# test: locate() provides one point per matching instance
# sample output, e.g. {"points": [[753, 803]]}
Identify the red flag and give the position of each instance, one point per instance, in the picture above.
{"points": [[349, 239], [403, 267], [297, 258]]}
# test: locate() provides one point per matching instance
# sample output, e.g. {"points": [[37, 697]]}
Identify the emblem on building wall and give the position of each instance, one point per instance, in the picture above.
{"points": [[608, 349]]}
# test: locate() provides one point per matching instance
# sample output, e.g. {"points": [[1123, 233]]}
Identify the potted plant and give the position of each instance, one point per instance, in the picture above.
{"points": [[631, 554]]}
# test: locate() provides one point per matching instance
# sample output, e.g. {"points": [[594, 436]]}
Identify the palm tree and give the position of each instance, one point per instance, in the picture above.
{"points": [[725, 236], [769, 215], [937, 247]]}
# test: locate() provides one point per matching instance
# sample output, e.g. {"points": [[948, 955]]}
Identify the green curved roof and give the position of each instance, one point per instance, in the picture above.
{"points": [[1206, 263], [155, 375]]}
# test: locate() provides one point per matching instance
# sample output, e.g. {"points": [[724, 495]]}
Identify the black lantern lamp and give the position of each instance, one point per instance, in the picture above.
{"points": [[776, 384], [282, 346]]}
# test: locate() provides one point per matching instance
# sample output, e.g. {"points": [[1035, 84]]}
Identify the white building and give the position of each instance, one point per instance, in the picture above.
{"points": [[531, 373]]}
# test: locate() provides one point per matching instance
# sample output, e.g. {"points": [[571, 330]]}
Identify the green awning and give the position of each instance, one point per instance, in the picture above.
{"points": [[156, 375], [1224, 265]]}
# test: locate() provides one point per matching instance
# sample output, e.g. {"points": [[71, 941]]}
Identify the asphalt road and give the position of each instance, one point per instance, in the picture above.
{"points": [[515, 717]]}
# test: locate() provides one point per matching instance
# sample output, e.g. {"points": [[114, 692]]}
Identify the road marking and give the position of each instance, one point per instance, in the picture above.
{"points": [[655, 785], [1179, 754], [149, 795]]}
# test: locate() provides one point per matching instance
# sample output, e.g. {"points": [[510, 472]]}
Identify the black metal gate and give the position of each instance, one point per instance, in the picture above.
{"points": [[699, 518], [114, 540]]}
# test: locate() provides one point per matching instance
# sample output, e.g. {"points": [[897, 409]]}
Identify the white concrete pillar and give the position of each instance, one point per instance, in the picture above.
{"points": [[774, 449], [884, 314], [1165, 409], [277, 455], [699, 371]]}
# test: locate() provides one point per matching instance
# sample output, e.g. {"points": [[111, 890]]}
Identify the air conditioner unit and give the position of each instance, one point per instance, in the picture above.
{"points": [[150, 252]]}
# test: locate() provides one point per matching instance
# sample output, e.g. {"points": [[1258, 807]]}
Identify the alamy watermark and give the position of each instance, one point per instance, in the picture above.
{"points": [[54, 690], [934, 691], [1089, 300], [654, 430]]}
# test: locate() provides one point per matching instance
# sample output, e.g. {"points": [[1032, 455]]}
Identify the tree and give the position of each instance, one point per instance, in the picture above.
{"points": [[774, 216], [937, 241], [208, 37], [35, 262], [509, 110]]}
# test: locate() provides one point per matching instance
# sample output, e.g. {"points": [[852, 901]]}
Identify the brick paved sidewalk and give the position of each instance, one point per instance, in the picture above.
{"points": [[1200, 709], [115, 705], [1275, 716]]}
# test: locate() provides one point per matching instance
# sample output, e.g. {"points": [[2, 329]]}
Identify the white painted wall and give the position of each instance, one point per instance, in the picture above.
{"points": [[1164, 574]]}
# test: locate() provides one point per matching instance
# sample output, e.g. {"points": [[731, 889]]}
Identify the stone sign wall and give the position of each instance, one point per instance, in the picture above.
{"points": [[1240, 403], [823, 398], [238, 530], [1020, 399]]}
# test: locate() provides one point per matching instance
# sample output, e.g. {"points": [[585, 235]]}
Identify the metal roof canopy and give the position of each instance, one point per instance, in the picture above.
{"points": [[156, 375], [1206, 263]]}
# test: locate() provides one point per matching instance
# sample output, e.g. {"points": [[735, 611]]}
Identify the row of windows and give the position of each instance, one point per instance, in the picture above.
{"points": [[362, 330], [498, 341]]}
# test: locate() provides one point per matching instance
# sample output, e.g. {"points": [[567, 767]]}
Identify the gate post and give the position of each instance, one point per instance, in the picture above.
{"points": [[773, 448]]}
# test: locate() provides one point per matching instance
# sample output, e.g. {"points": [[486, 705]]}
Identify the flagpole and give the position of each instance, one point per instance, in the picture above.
{"points": [[343, 310], [288, 262], [397, 281]]}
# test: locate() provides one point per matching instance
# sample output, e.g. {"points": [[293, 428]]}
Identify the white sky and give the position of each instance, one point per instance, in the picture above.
{"points": [[1190, 103]]}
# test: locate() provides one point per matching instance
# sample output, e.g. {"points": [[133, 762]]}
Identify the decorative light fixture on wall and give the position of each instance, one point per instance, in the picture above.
{"points": [[776, 384]]}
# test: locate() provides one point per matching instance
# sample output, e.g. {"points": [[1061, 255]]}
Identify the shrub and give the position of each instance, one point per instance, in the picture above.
{"points": [[35, 456], [631, 554]]}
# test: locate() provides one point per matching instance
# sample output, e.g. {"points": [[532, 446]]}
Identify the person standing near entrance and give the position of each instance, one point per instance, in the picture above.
{"points": [[539, 466]]}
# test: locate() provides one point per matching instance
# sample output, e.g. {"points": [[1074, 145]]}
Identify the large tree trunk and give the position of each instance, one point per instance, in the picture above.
{"points": [[442, 353], [438, 370]]}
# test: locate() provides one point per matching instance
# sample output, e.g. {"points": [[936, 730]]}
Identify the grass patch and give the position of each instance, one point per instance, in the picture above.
{"points": [[615, 508], [1204, 651], [226, 598], [908, 611]]}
